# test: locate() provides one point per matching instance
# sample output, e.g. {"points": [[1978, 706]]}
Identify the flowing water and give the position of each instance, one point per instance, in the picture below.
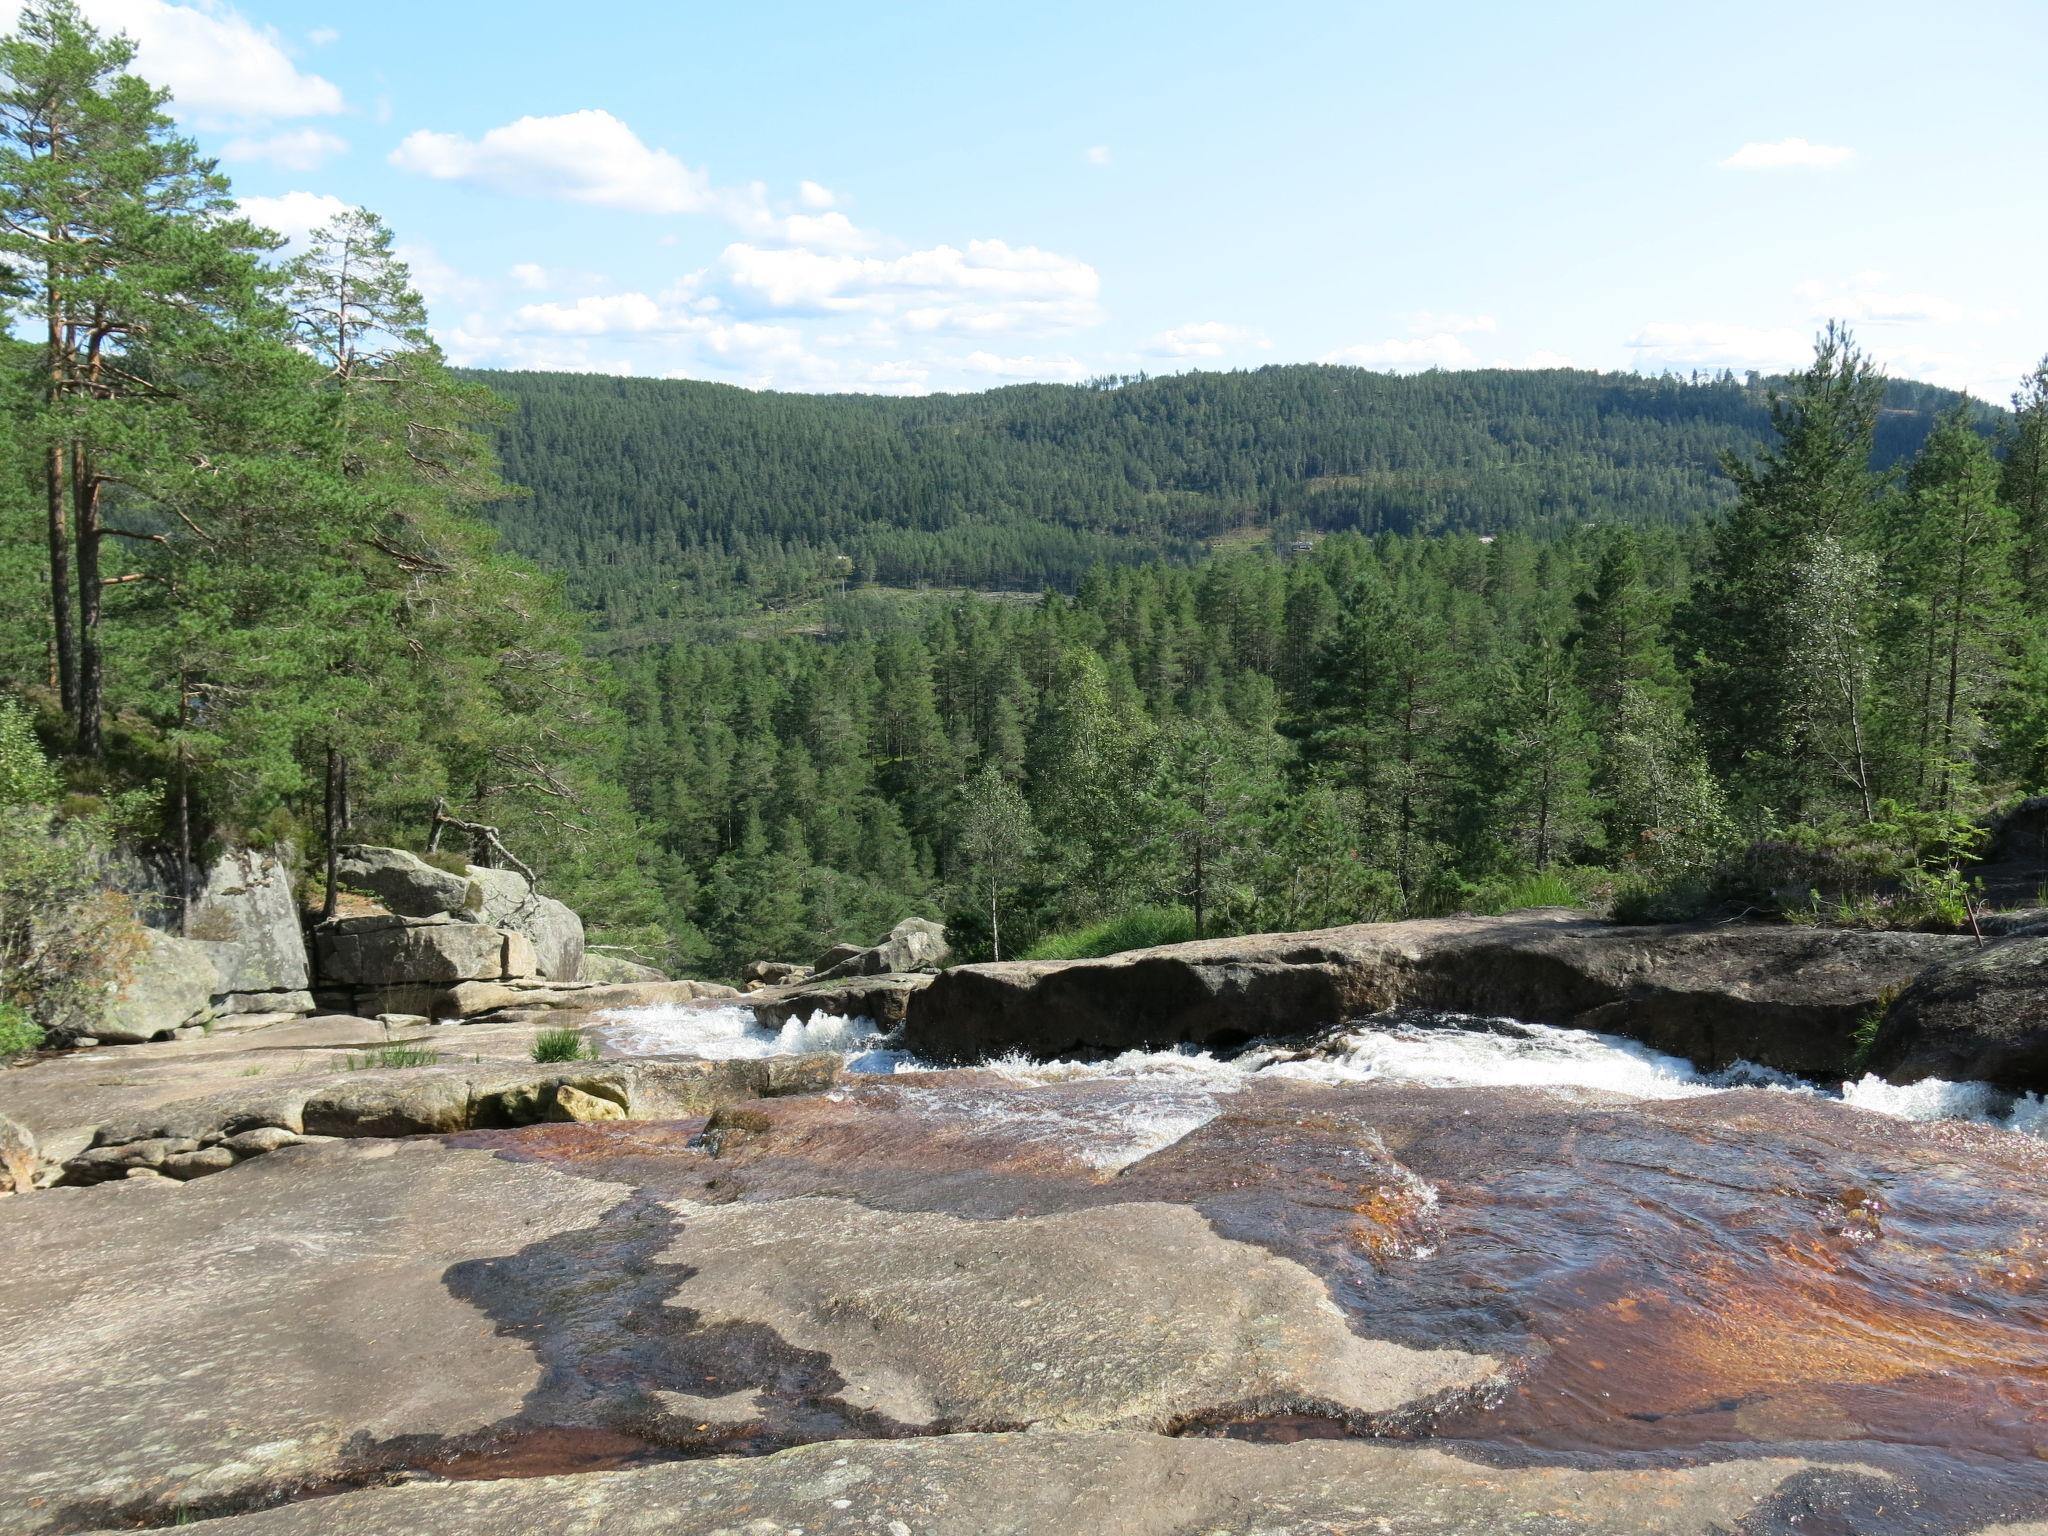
{"points": [[1677, 1265]]}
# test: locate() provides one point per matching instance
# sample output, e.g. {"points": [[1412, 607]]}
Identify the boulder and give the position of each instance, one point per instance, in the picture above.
{"points": [[884, 999], [610, 968], [246, 915], [495, 898], [915, 944], [518, 962], [18, 1160], [171, 984], [397, 949], [1981, 1017], [574, 1103], [407, 883], [509, 901], [775, 973], [1785, 996], [280, 1003]]}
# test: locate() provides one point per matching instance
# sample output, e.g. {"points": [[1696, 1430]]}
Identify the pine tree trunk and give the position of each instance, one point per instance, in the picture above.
{"points": [[332, 901], [184, 814], [85, 503], [1955, 657], [64, 642]]}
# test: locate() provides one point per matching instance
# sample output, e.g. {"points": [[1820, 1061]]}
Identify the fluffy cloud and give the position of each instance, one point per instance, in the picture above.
{"points": [[295, 215], [1407, 355], [825, 232], [529, 274], [1096, 154], [220, 67], [295, 149], [811, 195], [1788, 155], [994, 366], [1205, 338], [583, 157], [1680, 347], [989, 286], [1872, 298]]}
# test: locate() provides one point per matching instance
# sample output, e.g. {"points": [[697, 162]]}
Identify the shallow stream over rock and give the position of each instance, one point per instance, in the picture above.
{"points": [[1425, 1273], [1666, 1263]]}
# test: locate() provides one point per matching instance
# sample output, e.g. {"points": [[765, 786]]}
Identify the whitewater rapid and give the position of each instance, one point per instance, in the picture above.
{"points": [[1435, 1051]]}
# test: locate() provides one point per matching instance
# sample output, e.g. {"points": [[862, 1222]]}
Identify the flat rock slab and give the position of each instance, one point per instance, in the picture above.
{"points": [[176, 1344], [1086, 1484], [71, 1093], [1132, 1315], [1785, 996], [329, 1313]]}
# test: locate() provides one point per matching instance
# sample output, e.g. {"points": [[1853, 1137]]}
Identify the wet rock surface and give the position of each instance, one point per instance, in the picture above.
{"points": [[1982, 1017], [1100, 1484], [1216, 1303], [1784, 996]]}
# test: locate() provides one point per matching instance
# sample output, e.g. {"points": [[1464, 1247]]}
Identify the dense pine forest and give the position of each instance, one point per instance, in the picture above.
{"points": [[666, 502], [1275, 649]]}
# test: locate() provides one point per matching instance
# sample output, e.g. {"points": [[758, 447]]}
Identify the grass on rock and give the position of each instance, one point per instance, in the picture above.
{"points": [[395, 1056], [1139, 928], [563, 1044]]}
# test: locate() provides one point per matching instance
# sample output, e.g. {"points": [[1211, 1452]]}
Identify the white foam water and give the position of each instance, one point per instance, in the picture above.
{"points": [[731, 1033], [1441, 1051]]}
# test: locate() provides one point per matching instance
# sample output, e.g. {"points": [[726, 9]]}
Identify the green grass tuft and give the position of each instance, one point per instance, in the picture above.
{"points": [[1542, 888], [395, 1056], [563, 1044], [19, 1034], [1139, 928]]}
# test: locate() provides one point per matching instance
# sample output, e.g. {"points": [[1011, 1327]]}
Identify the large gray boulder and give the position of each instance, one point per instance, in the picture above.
{"points": [[915, 944], [386, 950], [246, 914], [170, 984], [1785, 996], [496, 898], [610, 968], [1982, 1017]]}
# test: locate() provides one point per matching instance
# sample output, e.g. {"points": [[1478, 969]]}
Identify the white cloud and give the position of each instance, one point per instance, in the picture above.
{"points": [[583, 157], [825, 232], [1205, 338], [529, 274], [295, 215], [989, 286], [295, 149], [1787, 155], [812, 195], [1096, 154], [1410, 355], [320, 37], [1680, 347], [221, 68], [1872, 298], [992, 365], [609, 314], [1429, 323]]}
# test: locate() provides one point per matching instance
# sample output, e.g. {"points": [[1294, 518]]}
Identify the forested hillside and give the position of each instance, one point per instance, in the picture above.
{"points": [[663, 501], [1815, 690]]}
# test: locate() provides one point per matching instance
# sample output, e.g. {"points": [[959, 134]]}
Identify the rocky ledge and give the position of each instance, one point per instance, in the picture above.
{"points": [[1785, 996]]}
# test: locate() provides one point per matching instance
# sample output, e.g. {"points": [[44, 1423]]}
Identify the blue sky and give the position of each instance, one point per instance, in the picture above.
{"points": [[916, 197]]}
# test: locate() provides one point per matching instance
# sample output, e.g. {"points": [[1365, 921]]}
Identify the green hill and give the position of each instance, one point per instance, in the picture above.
{"points": [[664, 500]]}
